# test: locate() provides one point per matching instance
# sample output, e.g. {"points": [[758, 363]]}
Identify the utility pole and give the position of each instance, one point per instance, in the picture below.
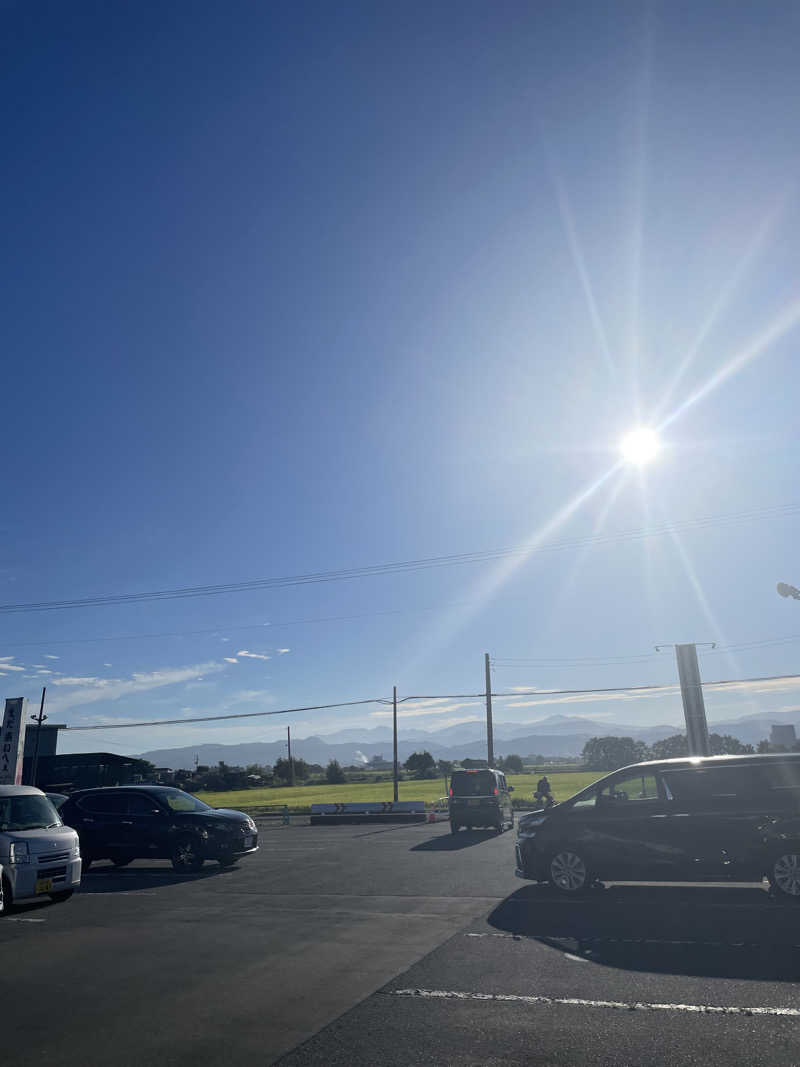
{"points": [[694, 708], [291, 761], [394, 729], [38, 719], [489, 732]]}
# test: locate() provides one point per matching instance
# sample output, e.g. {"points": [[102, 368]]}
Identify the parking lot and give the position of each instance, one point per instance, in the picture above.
{"points": [[395, 945]]}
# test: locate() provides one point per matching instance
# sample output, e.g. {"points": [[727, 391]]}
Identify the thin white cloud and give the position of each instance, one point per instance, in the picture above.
{"points": [[39, 666], [6, 659], [48, 656], [108, 664], [230, 659], [89, 690], [282, 651], [420, 711], [252, 655], [44, 670], [12, 667], [224, 638]]}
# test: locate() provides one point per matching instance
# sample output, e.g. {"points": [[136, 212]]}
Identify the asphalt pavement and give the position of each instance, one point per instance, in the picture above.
{"points": [[395, 945]]}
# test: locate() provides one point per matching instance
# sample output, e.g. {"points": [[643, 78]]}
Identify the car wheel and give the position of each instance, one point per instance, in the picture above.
{"points": [[453, 827], [186, 855], [569, 872], [784, 876], [121, 861], [65, 894]]}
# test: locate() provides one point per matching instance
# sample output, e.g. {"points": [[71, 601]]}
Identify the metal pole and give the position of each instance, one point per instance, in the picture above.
{"points": [[694, 709], [489, 733], [39, 719], [291, 761], [394, 728]]}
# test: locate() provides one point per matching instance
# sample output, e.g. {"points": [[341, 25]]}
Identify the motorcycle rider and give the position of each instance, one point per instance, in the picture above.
{"points": [[543, 794]]}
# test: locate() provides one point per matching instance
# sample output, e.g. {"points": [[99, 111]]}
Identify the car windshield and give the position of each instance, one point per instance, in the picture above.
{"points": [[180, 801], [27, 813], [473, 784]]}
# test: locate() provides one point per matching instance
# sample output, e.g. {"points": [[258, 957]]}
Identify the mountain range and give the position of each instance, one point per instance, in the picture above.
{"points": [[556, 735]]}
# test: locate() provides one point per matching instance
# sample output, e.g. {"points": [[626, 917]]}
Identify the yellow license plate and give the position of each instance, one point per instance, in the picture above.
{"points": [[44, 885]]}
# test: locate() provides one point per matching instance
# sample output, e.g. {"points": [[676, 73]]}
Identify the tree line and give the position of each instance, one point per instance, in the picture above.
{"points": [[609, 753]]}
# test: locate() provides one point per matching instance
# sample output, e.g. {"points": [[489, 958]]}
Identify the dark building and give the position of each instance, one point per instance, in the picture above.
{"points": [[48, 739], [83, 770]]}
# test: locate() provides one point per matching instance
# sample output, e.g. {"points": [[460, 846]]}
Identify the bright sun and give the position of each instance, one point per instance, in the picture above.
{"points": [[640, 446]]}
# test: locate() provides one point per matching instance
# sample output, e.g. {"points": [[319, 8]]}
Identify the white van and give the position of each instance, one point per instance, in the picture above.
{"points": [[39, 855]]}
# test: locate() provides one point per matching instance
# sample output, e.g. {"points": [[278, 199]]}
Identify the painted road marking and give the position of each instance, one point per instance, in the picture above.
{"points": [[624, 940], [19, 919], [580, 1002]]}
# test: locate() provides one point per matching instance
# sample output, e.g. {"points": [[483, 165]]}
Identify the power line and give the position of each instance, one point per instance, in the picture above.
{"points": [[439, 696], [219, 718], [777, 511]]}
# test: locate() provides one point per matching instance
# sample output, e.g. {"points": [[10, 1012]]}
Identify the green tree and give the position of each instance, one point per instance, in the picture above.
{"points": [[513, 765], [334, 773], [421, 763], [670, 747], [445, 766], [727, 745], [608, 753], [283, 770]]}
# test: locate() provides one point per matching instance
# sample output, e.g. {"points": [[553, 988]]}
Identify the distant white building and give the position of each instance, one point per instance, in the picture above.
{"points": [[782, 735]]}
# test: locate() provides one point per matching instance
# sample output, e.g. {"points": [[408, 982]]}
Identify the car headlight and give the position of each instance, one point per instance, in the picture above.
{"points": [[18, 852], [250, 824], [527, 827]]}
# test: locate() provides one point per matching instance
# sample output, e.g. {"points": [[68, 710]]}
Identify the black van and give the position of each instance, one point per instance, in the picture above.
{"points": [[716, 818], [480, 798]]}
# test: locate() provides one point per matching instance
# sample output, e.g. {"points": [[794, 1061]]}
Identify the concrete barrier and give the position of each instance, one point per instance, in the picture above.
{"points": [[377, 811]]}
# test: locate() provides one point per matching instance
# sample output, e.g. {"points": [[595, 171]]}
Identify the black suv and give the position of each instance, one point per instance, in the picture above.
{"points": [[717, 818], [124, 823], [480, 797]]}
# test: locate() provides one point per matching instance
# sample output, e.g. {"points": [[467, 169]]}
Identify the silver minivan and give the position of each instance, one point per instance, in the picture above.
{"points": [[39, 855]]}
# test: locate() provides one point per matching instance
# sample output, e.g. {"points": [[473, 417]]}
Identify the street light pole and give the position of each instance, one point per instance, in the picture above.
{"points": [[38, 719], [394, 733]]}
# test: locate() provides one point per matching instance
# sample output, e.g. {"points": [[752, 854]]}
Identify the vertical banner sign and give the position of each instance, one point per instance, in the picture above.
{"points": [[12, 741]]}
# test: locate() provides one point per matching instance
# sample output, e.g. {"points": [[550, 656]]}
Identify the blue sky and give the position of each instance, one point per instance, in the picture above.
{"points": [[295, 288]]}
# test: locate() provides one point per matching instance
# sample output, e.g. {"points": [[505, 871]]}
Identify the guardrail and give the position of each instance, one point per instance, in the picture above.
{"points": [[377, 811]]}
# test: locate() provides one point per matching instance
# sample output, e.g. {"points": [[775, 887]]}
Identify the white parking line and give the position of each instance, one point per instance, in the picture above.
{"points": [[580, 1002], [19, 919]]}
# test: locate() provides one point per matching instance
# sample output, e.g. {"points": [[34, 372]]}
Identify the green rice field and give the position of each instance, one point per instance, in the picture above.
{"points": [[302, 797]]}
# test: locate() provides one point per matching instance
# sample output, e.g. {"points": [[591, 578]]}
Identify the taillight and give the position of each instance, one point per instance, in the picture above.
{"points": [[495, 790], [451, 790]]}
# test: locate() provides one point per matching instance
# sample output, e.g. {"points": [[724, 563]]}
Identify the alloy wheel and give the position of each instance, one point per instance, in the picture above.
{"points": [[568, 872], [786, 874]]}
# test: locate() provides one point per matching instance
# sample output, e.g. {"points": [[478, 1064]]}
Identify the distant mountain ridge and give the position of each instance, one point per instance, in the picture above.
{"points": [[556, 735]]}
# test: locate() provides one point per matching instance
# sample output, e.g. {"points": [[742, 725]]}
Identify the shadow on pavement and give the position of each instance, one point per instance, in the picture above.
{"points": [[703, 931], [454, 842], [105, 878]]}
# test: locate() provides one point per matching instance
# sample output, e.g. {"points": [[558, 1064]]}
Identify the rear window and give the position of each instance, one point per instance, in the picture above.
{"points": [[473, 784]]}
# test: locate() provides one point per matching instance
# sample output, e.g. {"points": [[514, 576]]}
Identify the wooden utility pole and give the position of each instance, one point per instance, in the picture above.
{"points": [[291, 761], [394, 728], [38, 719], [489, 733]]}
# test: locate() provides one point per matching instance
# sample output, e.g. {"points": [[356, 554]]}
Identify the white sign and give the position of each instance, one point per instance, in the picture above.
{"points": [[12, 742]]}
